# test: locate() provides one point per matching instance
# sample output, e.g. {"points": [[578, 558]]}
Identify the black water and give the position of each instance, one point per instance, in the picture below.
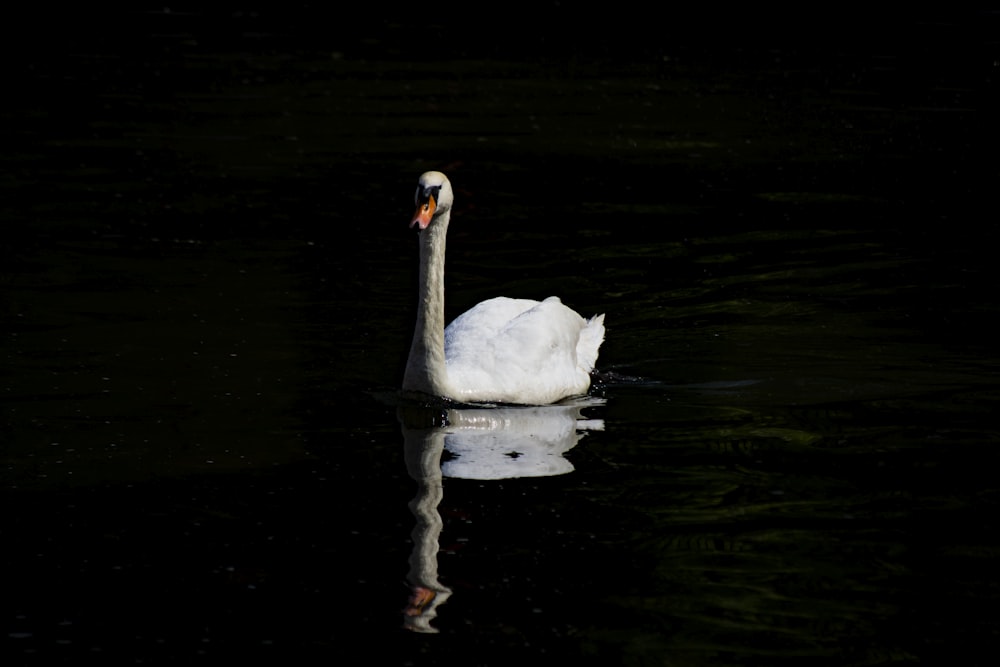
{"points": [[208, 292]]}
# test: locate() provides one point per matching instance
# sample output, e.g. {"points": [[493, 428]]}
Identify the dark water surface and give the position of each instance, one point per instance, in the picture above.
{"points": [[208, 291]]}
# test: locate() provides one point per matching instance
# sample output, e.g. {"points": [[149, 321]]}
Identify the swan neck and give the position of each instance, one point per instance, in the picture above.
{"points": [[425, 369]]}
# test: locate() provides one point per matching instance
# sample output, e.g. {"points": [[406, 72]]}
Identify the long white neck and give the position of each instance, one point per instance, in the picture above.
{"points": [[425, 369]]}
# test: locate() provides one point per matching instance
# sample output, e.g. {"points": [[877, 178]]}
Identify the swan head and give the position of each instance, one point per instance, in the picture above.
{"points": [[433, 198]]}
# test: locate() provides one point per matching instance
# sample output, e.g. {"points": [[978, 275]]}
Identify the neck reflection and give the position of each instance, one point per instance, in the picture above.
{"points": [[482, 444]]}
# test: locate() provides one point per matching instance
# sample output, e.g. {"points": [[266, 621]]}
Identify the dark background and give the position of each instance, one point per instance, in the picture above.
{"points": [[789, 216]]}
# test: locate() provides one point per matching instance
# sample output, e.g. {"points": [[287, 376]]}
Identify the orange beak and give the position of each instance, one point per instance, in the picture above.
{"points": [[419, 598], [425, 212]]}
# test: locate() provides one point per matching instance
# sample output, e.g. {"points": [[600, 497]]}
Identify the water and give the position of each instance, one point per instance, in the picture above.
{"points": [[208, 295]]}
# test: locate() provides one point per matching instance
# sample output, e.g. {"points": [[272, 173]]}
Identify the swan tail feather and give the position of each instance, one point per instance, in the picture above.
{"points": [[590, 341]]}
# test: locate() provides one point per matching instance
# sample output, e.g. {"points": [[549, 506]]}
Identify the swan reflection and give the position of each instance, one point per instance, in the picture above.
{"points": [[475, 443]]}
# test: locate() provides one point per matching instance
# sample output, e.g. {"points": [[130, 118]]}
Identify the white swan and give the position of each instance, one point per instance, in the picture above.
{"points": [[501, 350]]}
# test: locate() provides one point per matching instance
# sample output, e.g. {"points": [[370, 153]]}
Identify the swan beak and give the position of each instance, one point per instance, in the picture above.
{"points": [[419, 599], [425, 212]]}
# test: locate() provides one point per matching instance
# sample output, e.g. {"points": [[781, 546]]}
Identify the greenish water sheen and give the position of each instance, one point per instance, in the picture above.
{"points": [[208, 291]]}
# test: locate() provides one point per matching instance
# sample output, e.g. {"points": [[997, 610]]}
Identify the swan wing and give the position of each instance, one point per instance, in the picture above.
{"points": [[486, 318], [521, 351]]}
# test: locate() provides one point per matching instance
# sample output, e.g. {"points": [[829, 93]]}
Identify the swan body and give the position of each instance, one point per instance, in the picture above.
{"points": [[501, 350]]}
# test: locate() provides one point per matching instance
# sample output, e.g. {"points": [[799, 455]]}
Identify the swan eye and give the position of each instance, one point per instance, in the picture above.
{"points": [[425, 197]]}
